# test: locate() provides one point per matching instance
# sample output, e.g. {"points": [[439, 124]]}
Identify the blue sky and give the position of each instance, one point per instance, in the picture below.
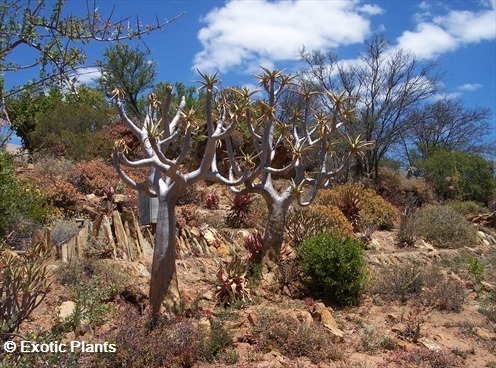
{"points": [[236, 37]]}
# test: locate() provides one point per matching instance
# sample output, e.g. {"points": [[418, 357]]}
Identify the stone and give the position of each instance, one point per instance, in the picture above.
{"points": [[209, 236], [275, 359], [204, 326], [487, 286], [253, 319], [336, 334], [120, 234], [327, 319], [84, 329], [195, 231], [66, 309], [484, 334], [305, 318], [142, 271], [208, 295], [429, 344]]}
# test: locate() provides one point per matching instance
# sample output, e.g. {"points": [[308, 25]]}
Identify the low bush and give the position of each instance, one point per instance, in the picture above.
{"points": [[421, 358], [335, 267], [447, 294], [92, 284], [443, 227], [406, 235], [372, 340], [488, 306], [25, 283], [63, 231], [442, 291], [467, 207], [193, 194], [364, 208], [399, 282], [280, 332], [303, 222], [94, 177], [175, 341]]}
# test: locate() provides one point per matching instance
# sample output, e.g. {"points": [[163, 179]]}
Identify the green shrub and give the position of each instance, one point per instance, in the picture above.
{"points": [[335, 266], [92, 284], [488, 306], [21, 202], [457, 175], [443, 227]]}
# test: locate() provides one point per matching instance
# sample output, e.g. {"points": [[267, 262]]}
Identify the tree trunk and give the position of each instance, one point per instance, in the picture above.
{"points": [[273, 238], [164, 253]]}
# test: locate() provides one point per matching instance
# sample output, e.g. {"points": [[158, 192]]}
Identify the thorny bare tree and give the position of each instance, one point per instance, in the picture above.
{"points": [[449, 125], [304, 132], [388, 85], [167, 178]]}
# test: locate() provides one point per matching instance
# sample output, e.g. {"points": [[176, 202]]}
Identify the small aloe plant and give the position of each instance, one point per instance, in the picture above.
{"points": [[233, 285], [212, 200], [254, 245]]}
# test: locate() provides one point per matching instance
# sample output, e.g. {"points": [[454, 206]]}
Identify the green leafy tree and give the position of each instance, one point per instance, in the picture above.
{"points": [[458, 175], [24, 108], [53, 42], [129, 70], [71, 126]]}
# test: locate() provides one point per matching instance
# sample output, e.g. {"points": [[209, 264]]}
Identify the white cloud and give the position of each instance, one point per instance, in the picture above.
{"points": [[439, 34], [245, 33], [470, 87], [429, 40]]}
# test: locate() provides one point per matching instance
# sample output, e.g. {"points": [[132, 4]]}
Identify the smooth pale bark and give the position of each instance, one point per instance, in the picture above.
{"points": [[273, 238], [164, 252]]}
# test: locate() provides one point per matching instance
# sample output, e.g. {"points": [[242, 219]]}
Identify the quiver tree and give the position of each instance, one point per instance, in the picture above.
{"points": [[167, 179], [305, 131]]}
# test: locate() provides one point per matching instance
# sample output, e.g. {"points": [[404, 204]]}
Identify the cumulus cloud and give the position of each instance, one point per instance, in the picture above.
{"points": [[245, 33], [435, 35]]}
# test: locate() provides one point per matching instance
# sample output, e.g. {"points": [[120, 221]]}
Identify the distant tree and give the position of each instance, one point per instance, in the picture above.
{"points": [[70, 127], [458, 175], [52, 42], [129, 70], [447, 124], [25, 106], [388, 84]]}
